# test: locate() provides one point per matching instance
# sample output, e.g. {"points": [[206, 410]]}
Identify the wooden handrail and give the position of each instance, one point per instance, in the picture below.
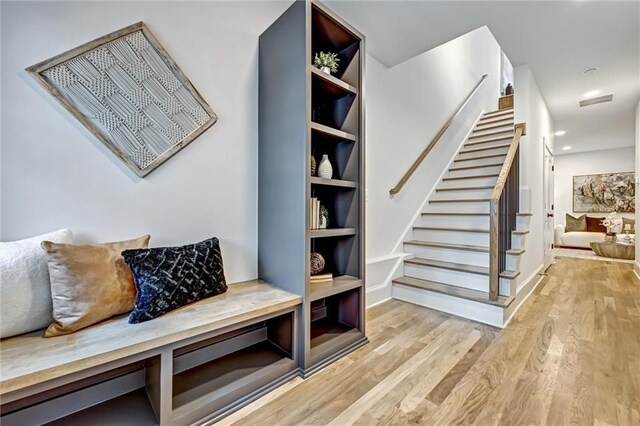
{"points": [[435, 140], [494, 214]]}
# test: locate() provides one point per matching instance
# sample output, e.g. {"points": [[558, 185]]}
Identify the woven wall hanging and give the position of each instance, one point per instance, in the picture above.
{"points": [[125, 88]]}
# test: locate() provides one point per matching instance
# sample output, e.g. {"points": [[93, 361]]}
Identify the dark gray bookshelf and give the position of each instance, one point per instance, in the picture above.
{"points": [[305, 112]]}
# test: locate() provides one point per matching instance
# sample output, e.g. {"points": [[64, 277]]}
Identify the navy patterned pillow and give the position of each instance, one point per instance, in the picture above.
{"points": [[167, 278]]}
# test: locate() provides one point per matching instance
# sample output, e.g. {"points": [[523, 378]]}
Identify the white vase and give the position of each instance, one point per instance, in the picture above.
{"points": [[325, 170], [326, 70], [323, 223]]}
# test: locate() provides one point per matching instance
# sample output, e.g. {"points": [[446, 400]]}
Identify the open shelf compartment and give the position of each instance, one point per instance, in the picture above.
{"points": [[216, 372], [122, 396], [335, 323]]}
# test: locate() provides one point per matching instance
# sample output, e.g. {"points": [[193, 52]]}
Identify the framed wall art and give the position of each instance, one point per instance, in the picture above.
{"points": [[128, 92], [603, 193]]}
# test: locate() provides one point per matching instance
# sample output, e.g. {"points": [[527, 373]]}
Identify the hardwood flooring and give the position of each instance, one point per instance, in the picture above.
{"points": [[571, 355]]}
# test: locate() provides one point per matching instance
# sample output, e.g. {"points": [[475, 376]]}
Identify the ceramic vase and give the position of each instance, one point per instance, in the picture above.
{"points": [[325, 170], [326, 70], [323, 222]]}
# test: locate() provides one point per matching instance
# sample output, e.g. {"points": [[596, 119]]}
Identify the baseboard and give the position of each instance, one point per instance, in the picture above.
{"points": [[636, 269], [380, 272], [523, 292]]}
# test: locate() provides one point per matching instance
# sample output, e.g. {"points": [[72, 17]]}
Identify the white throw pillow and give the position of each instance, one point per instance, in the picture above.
{"points": [[25, 291]]}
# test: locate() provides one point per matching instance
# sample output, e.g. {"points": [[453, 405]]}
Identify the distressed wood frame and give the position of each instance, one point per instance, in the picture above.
{"points": [[36, 72]]}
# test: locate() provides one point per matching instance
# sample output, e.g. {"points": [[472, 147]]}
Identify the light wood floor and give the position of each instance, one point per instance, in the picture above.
{"points": [[570, 356]]}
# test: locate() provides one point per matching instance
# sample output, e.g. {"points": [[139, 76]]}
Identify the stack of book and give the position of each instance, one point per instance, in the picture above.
{"points": [[321, 278], [314, 209]]}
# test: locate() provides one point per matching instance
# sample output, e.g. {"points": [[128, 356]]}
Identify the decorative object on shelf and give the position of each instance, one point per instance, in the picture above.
{"points": [[129, 93], [327, 62], [627, 229], [324, 217], [325, 169], [321, 278], [313, 165], [609, 223], [314, 211], [508, 90], [167, 278], [317, 263], [604, 193]]}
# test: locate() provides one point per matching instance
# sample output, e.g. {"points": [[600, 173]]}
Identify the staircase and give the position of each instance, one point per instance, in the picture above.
{"points": [[448, 266]]}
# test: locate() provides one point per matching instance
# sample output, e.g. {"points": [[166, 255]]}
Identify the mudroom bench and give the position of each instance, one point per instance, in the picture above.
{"points": [[192, 365]]}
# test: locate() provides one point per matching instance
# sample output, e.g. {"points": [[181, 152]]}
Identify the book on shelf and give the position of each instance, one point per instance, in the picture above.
{"points": [[314, 213], [321, 278]]}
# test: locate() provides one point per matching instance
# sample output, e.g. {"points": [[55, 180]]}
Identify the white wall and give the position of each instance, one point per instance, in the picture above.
{"points": [[55, 174], [406, 106], [583, 163], [531, 108], [637, 263]]}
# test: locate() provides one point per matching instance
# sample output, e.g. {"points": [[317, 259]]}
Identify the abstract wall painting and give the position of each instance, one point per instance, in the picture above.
{"points": [[603, 193], [128, 92]]}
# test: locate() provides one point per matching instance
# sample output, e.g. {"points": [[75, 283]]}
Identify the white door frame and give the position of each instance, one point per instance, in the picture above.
{"points": [[548, 203]]}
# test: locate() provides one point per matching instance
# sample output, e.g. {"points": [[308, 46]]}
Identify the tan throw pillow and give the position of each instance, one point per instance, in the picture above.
{"points": [[629, 221], [575, 224], [89, 283]]}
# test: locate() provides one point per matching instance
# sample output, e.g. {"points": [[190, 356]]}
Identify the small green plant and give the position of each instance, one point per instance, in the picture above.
{"points": [[324, 213], [326, 59]]}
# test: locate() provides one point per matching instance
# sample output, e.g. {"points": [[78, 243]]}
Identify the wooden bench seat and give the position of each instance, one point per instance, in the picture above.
{"points": [[30, 360]]}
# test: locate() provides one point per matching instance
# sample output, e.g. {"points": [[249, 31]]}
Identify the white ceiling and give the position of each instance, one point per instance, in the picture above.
{"points": [[557, 39]]}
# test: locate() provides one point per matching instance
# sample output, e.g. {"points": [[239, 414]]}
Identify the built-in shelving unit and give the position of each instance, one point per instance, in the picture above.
{"points": [[306, 112]]}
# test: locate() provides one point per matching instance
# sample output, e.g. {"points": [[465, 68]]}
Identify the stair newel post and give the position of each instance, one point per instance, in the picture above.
{"points": [[494, 243]]}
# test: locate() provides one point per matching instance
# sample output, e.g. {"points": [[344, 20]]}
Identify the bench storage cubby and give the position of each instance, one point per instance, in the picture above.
{"points": [[196, 364]]}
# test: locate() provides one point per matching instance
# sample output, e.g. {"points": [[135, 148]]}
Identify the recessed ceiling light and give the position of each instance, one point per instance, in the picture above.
{"points": [[591, 94], [566, 148], [590, 71], [561, 133]]}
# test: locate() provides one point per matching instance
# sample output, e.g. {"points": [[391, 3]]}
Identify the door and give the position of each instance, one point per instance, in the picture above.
{"points": [[548, 204]]}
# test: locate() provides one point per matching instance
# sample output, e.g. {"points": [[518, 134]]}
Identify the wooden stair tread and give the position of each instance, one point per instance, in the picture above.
{"points": [[451, 290], [461, 200], [497, 126], [507, 138], [466, 247], [490, 134], [472, 269], [465, 188], [481, 166], [435, 228], [516, 252], [470, 177], [464, 214], [520, 232], [484, 121], [458, 160], [486, 148], [498, 112]]}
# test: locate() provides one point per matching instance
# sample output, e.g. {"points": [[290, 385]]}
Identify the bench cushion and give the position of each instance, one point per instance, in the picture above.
{"points": [[30, 359]]}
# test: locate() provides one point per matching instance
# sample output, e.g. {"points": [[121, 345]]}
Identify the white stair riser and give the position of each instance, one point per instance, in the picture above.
{"points": [[466, 193], [452, 237], [449, 255], [487, 314], [480, 161], [475, 171], [466, 257], [481, 143], [497, 121], [479, 222], [522, 222], [464, 183], [497, 132], [496, 116], [518, 241], [447, 276], [460, 207], [491, 151], [508, 287]]}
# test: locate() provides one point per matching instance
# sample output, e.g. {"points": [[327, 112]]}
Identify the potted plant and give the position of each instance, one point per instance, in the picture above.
{"points": [[609, 223], [324, 217], [327, 62]]}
